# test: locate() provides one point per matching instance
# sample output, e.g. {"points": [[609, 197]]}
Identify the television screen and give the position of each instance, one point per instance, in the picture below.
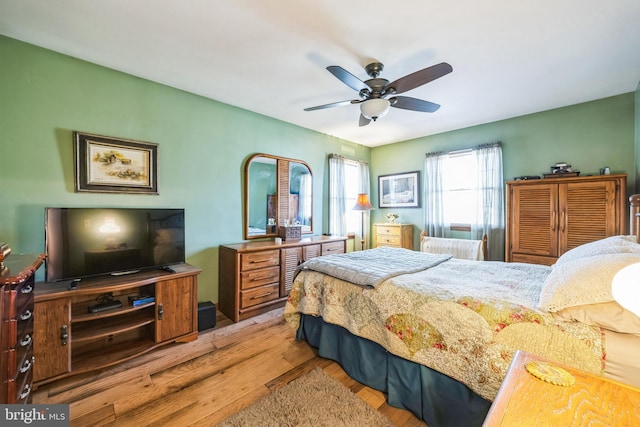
{"points": [[83, 242]]}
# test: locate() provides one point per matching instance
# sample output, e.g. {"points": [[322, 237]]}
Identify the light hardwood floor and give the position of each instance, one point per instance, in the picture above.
{"points": [[202, 382]]}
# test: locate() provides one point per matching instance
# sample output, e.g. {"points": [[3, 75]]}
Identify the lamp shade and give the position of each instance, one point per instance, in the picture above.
{"points": [[109, 227], [625, 288], [363, 204], [374, 108]]}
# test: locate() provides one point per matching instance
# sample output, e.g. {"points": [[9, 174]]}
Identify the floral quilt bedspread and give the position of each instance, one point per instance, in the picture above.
{"points": [[465, 319]]}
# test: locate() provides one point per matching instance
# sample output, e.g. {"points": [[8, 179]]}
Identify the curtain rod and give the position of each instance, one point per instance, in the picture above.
{"points": [[338, 156], [465, 150]]}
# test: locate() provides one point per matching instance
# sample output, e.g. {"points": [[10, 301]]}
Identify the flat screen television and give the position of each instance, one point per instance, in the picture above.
{"points": [[85, 242]]}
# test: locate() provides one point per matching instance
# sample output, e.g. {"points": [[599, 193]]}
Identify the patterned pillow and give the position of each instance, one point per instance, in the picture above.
{"points": [[609, 245], [583, 281]]}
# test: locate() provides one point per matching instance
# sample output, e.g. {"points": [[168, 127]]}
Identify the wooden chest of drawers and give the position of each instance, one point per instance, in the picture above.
{"points": [[394, 235], [16, 313], [256, 277]]}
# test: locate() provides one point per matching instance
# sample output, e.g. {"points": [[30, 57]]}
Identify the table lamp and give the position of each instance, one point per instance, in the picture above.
{"points": [[625, 288], [362, 204]]}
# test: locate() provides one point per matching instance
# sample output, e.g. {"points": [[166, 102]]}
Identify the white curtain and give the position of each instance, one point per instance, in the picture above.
{"points": [[339, 189], [365, 187], [337, 223], [305, 202], [434, 217], [490, 200]]}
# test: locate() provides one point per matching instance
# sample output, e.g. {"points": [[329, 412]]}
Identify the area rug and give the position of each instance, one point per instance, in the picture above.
{"points": [[314, 399]]}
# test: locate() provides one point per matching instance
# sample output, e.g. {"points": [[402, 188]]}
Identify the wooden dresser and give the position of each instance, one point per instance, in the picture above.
{"points": [[394, 235], [255, 277], [17, 286], [547, 217], [524, 400]]}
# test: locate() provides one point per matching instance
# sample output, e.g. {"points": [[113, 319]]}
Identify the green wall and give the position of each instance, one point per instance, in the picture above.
{"points": [[203, 144], [45, 96], [588, 136]]}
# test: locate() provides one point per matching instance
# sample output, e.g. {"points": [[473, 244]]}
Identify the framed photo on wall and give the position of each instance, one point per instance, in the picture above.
{"points": [[111, 165], [399, 190]]}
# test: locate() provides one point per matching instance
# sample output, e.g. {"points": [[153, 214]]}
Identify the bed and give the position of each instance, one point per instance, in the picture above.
{"points": [[437, 334]]}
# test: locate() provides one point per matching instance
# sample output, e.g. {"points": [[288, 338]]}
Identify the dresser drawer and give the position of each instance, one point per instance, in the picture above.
{"points": [[19, 327], [19, 360], [388, 230], [19, 389], [389, 240], [255, 260], [259, 295], [254, 278], [19, 299], [332, 248], [311, 251]]}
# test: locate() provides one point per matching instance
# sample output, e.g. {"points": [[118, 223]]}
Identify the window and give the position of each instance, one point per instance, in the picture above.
{"points": [[351, 190], [464, 190], [459, 176]]}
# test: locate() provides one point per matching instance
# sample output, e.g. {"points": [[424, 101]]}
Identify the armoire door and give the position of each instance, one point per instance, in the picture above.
{"points": [[587, 212], [534, 220]]}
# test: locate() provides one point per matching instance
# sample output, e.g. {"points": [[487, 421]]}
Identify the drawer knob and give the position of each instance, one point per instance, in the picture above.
{"points": [[26, 315], [261, 296], [255, 279], [26, 391], [27, 289], [26, 341], [25, 366], [258, 261]]}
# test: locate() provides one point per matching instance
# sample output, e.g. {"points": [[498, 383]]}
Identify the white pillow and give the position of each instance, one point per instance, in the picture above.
{"points": [[609, 245], [583, 281], [607, 315]]}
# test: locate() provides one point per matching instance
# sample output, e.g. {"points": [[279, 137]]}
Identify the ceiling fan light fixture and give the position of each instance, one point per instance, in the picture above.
{"points": [[374, 108]]}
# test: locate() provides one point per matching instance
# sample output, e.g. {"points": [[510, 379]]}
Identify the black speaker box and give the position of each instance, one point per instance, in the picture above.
{"points": [[206, 316]]}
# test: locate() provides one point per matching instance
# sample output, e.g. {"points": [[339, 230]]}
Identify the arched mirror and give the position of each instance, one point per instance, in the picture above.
{"points": [[278, 191]]}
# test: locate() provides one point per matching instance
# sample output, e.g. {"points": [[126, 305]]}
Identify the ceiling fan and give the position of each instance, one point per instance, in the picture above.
{"points": [[374, 92]]}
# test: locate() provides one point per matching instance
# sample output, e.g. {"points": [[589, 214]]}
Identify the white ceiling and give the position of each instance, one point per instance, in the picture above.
{"points": [[509, 57]]}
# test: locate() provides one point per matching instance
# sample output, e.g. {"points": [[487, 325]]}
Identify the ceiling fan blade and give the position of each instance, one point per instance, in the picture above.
{"points": [[347, 78], [333, 104], [407, 103], [413, 80], [363, 121]]}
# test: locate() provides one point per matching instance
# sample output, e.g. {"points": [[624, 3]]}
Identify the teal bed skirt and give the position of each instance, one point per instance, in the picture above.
{"points": [[431, 396]]}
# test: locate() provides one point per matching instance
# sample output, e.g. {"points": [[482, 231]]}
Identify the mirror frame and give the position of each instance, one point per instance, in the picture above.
{"points": [[282, 187]]}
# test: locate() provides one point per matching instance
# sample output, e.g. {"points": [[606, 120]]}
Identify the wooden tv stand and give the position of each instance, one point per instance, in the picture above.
{"points": [[69, 339]]}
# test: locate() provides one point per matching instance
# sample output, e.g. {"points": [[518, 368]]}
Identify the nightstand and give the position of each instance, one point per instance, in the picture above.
{"points": [[525, 400], [394, 235]]}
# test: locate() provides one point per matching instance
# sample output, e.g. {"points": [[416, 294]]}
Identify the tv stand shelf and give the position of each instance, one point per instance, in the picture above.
{"points": [[117, 325], [69, 339]]}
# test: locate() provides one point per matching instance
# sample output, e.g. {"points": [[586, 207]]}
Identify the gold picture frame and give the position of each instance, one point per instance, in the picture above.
{"points": [[114, 165]]}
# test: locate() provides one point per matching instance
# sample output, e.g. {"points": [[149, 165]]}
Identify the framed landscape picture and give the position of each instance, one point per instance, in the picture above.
{"points": [[111, 165], [399, 190]]}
